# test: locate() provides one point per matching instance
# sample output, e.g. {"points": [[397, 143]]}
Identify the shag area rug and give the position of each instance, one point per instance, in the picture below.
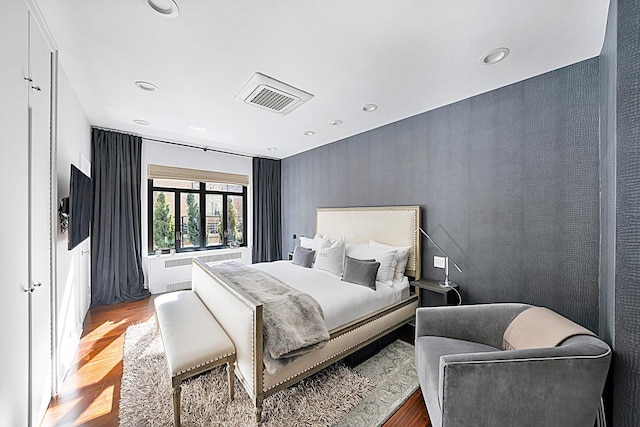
{"points": [[337, 396]]}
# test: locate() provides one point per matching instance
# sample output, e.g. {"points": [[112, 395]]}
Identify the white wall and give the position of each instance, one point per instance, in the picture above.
{"points": [[172, 155], [73, 275]]}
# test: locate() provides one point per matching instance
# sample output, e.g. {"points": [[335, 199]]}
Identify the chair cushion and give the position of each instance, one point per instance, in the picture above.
{"points": [[429, 349], [191, 335]]}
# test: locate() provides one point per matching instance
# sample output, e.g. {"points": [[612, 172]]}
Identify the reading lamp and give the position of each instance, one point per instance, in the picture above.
{"points": [[447, 283]]}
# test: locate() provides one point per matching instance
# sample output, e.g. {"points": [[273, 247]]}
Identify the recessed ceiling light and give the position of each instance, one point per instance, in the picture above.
{"points": [[369, 107], [272, 149], [335, 122], [166, 8], [496, 55], [141, 122], [197, 128], [309, 133], [149, 87]]}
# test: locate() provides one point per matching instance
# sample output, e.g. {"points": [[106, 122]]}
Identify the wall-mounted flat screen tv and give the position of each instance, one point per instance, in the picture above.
{"points": [[80, 203]]}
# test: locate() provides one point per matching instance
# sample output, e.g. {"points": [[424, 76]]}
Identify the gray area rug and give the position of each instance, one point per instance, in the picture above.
{"points": [[337, 396]]}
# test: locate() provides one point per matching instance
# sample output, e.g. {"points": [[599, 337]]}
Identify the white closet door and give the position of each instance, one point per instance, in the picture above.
{"points": [[14, 145], [40, 224], [40, 73], [14, 45]]}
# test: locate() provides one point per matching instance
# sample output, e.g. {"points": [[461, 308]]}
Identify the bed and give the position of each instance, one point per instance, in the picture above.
{"points": [[341, 302], [241, 315]]}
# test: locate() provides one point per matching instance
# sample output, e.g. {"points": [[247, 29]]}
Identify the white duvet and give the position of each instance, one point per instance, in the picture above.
{"points": [[341, 302]]}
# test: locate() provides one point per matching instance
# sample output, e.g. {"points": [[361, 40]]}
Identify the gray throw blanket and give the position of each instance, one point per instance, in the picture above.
{"points": [[293, 320]]}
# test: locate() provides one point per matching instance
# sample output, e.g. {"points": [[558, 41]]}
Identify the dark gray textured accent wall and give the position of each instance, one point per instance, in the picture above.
{"points": [[627, 318], [608, 68], [508, 182], [608, 76]]}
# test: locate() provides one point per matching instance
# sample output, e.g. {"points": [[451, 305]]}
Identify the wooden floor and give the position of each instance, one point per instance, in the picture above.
{"points": [[91, 390]]}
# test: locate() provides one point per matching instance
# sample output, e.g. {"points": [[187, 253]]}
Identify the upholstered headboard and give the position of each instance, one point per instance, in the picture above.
{"points": [[391, 225]]}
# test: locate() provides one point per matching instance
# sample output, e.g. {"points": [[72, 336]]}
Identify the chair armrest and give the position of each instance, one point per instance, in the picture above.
{"points": [[550, 386], [578, 347], [483, 323]]}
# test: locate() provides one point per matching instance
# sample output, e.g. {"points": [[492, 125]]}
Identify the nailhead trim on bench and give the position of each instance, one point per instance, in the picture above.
{"points": [[205, 363], [178, 378]]}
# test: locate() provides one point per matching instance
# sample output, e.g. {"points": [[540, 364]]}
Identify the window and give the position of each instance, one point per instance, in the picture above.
{"points": [[188, 215]]}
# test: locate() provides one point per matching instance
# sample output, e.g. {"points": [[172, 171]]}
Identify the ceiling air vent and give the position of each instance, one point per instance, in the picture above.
{"points": [[272, 95]]}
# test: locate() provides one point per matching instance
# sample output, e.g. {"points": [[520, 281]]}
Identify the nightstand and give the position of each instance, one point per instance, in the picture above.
{"points": [[430, 294]]}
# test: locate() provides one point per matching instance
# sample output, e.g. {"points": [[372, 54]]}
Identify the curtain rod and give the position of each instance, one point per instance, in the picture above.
{"points": [[180, 144]]}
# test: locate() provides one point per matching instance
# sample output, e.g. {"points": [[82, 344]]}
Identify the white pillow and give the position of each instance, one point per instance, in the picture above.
{"points": [[331, 259], [402, 257], [316, 243], [306, 242], [386, 258]]}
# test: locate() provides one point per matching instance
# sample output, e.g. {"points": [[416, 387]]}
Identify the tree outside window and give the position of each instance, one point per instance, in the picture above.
{"points": [[163, 223], [193, 220], [235, 218]]}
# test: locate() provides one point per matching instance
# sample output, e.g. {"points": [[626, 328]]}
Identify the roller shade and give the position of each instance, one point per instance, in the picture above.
{"points": [[170, 172]]}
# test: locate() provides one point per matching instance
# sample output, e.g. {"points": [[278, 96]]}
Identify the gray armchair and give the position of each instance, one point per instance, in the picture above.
{"points": [[468, 379]]}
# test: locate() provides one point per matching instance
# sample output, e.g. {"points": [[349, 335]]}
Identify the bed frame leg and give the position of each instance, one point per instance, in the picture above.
{"points": [[258, 411], [231, 377], [176, 405]]}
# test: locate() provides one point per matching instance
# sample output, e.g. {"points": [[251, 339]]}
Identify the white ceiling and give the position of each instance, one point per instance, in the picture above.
{"points": [[407, 57]]}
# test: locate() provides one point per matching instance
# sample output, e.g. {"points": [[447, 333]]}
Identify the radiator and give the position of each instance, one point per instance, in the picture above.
{"points": [[167, 274]]}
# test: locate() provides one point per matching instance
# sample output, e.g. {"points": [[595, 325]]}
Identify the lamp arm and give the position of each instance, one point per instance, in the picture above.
{"points": [[441, 250], [446, 270]]}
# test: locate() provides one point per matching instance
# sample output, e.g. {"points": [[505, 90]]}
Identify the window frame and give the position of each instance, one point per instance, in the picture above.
{"points": [[202, 195]]}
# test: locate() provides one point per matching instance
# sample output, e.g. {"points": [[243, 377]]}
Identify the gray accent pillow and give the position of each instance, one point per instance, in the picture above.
{"points": [[303, 256], [361, 271]]}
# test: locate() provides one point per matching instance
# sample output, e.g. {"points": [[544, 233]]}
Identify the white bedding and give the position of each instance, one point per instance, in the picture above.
{"points": [[341, 302]]}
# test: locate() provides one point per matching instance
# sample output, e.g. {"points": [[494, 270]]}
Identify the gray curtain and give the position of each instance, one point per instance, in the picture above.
{"points": [[267, 224], [116, 257]]}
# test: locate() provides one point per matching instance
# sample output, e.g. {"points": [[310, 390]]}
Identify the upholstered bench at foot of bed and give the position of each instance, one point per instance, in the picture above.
{"points": [[193, 341]]}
